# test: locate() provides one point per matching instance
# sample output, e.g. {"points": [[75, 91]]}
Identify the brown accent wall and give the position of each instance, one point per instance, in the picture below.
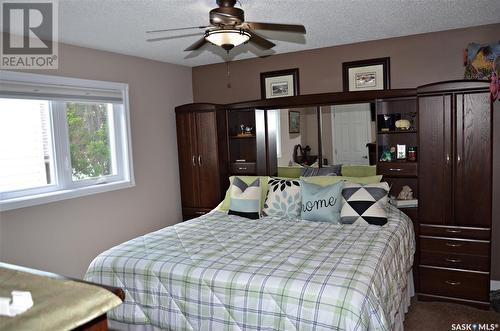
{"points": [[65, 236], [415, 60]]}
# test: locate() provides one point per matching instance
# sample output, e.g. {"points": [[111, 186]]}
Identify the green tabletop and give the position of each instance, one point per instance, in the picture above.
{"points": [[59, 304]]}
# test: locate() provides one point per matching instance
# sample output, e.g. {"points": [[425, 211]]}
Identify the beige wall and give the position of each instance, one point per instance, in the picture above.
{"points": [[65, 236], [415, 60]]}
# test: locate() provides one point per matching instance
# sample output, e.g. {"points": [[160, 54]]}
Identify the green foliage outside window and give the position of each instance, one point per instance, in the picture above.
{"points": [[89, 139]]}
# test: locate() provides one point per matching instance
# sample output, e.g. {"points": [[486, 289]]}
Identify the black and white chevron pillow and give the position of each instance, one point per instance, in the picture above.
{"points": [[364, 203]]}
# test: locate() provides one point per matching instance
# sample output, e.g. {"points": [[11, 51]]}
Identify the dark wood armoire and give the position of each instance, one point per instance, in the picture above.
{"points": [[202, 153], [455, 192]]}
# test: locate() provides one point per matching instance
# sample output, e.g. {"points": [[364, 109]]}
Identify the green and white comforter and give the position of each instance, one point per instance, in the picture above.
{"points": [[223, 272]]}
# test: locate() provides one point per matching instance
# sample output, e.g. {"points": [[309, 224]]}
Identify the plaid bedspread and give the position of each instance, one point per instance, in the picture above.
{"points": [[223, 272]]}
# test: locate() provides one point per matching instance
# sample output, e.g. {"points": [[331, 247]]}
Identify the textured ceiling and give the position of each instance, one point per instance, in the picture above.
{"points": [[120, 25]]}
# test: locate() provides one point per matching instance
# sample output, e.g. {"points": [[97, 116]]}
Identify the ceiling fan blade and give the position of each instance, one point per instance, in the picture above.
{"points": [[276, 27], [178, 29], [260, 41], [173, 37], [198, 44]]}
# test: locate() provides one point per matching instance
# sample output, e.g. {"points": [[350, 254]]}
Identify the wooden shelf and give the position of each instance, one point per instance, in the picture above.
{"points": [[397, 132], [249, 136], [397, 162]]}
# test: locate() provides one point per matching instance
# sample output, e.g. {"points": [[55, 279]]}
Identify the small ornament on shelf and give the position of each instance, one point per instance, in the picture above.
{"points": [[401, 152], [406, 193], [412, 154]]}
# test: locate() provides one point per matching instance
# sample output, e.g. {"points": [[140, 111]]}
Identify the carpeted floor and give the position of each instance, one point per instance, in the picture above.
{"points": [[440, 316]]}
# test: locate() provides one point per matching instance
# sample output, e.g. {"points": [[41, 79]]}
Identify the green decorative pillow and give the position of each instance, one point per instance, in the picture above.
{"points": [[329, 180], [321, 203], [248, 180], [283, 199], [289, 172], [358, 171]]}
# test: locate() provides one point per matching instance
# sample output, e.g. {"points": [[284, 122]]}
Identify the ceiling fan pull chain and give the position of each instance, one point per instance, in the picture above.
{"points": [[228, 73]]}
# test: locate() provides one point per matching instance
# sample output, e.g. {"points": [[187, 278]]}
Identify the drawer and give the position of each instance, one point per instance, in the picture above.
{"points": [[397, 169], [454, 246], [459, 261], [455, 232], [243, 168], [452, 283], [189, 213]]}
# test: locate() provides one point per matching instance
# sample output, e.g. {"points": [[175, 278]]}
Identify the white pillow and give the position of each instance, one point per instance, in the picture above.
{"points": [[245, 198]]}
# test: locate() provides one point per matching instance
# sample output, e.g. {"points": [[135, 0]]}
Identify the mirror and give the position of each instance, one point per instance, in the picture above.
{"points": [[348, 134], [293, 140], [348, 137]]}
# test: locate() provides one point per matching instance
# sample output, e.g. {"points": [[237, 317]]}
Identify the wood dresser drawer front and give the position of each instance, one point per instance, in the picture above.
{"points": [[459, 261], [243, 168], [452, 283], [189, 213], [397, 169], [455, 232], [454, 246]]}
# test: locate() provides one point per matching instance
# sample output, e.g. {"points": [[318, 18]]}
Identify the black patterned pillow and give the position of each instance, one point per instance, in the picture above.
{"points": [[364, 203], [284, 198]]}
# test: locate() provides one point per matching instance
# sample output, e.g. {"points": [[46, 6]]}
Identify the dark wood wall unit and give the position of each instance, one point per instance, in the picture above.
{"points": [[435, 159], [455, 182], [455, 197], [399, 173], [202, 160], [495, 228], [323, 99]]}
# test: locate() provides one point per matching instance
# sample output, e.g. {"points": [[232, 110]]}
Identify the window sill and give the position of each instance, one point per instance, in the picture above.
{"points": [[39, 199]]}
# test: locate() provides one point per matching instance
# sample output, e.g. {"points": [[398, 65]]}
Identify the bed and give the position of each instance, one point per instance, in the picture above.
{"points": [[224, 272]]}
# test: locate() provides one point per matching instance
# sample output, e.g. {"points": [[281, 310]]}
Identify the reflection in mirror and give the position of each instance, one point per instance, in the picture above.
{"points": [[348, 134], [293, 140]]}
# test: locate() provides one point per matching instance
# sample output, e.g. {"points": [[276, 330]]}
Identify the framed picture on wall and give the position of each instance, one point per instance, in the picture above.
{"points": [[281, 83], [364, 75], [293, 121]]}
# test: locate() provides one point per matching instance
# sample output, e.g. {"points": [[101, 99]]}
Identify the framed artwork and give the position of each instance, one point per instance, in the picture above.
{"points": [[293, 121], [281, 83], [364, 75]]}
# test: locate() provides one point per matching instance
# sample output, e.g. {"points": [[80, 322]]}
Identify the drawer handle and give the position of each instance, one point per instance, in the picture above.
{"points": [[452, 283], [395, 169], [242, 168], [452, 260], [200, 212], [453, 245], [453, 231]]}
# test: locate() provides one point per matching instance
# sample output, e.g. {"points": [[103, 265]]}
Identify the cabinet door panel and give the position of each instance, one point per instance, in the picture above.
{"points": [[186, 146], [207, 160], [473, 160], [435, 159]]}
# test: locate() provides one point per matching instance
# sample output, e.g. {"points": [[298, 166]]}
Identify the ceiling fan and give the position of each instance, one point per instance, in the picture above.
{"points": [[229, 29]]}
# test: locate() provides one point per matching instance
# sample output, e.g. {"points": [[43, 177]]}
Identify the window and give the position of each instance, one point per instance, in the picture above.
{"points": [[61, 138]]}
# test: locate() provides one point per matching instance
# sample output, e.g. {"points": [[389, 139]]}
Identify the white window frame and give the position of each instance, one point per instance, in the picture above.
{"points": [[64, 187]]}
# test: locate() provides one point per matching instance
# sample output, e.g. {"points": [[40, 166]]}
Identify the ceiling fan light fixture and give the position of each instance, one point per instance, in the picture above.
{"points": [[227, 38]]}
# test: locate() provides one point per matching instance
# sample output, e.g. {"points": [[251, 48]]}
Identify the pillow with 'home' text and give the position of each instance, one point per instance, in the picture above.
{"points": [[321, 203]]}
